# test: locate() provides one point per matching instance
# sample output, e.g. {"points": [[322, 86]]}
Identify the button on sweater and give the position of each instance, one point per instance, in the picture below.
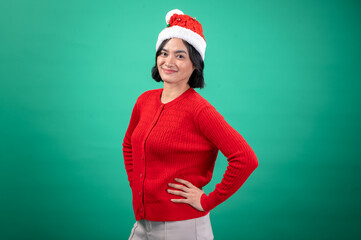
{"points": [[180, 139]]}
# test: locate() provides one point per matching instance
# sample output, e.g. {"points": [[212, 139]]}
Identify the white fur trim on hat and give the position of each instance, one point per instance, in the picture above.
{"points": [[170, 14], [188, 35]]}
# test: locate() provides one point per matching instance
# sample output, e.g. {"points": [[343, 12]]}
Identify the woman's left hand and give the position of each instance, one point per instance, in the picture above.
{"points": [[191, 193]]}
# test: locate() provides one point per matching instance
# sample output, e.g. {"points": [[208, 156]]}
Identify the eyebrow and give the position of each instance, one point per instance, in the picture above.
{"points": [[178, 51]]}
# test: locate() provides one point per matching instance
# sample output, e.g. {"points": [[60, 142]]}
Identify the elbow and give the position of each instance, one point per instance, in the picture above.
{"points": [[253, 161], [126, 142]]}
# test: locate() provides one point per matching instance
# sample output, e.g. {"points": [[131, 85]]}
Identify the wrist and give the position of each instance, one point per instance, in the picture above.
{"points": [[204, 202]]}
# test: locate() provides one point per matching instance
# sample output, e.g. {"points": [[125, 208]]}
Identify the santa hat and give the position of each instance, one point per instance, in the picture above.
{"points": [[185, 27]]}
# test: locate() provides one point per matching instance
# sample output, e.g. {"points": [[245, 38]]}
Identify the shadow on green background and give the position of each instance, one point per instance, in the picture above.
{"points": [[285, 74]]}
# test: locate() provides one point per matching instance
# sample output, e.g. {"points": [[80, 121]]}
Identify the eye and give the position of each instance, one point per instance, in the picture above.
{"points": [[163, 54], [180, 56]]}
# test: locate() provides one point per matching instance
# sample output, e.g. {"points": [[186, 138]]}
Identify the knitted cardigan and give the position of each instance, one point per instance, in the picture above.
{"points": [[180, 139]]}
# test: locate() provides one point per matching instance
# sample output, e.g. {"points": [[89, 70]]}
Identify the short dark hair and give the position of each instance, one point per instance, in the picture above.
{"points": [[196, 80]]}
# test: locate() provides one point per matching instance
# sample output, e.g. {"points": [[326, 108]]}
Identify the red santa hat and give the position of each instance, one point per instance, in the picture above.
{"points": [[185, 27]]}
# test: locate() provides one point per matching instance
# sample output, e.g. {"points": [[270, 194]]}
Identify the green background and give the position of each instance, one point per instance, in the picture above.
{"points": [[284, 74]]}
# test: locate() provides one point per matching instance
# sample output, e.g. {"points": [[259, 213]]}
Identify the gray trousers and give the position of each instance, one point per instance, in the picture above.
{"points": [[191, 229]]}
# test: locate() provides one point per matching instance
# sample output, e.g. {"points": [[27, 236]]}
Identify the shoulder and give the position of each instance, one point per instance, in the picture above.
{"points": [[206, 116], [199, 102], [204, 110], [147, 94]]}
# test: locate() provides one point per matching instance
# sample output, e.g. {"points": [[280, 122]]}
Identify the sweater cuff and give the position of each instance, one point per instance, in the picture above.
{"points": [[204, 202]]}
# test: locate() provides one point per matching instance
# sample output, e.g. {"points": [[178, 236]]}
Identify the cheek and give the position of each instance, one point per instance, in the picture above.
{"points": [[159, 61], [190, 68]]}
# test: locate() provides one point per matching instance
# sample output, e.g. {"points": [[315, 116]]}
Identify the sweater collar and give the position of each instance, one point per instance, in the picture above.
{"points": [[177, 99]]}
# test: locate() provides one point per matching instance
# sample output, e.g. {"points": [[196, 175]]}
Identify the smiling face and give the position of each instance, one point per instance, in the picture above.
{"points": [[174, 64]]}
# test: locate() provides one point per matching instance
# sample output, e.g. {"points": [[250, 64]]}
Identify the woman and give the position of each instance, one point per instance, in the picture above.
{"points": [[173, 139]]}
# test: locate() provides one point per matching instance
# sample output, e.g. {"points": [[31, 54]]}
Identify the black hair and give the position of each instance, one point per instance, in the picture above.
{"points": [[196, 80]]}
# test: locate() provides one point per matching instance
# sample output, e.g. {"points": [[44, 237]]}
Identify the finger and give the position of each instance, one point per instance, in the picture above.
{"points": [[182, 187], [179, 193], [179, 200], [185, 182]]}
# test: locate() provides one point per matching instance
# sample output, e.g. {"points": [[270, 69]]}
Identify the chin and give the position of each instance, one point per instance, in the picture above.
{"points": [[167, 79]]}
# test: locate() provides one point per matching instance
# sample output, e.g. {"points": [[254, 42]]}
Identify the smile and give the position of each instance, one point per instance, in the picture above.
{"points": [[168, 71]]}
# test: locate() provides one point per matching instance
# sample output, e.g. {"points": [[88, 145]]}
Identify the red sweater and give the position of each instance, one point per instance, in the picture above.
{"points": [[180, 139]]}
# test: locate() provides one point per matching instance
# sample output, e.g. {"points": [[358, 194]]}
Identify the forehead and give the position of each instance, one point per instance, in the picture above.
{"points": [[175, 44]]}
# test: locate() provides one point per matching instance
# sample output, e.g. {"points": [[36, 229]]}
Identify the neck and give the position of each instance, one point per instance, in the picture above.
{"points": [[171, 92]]}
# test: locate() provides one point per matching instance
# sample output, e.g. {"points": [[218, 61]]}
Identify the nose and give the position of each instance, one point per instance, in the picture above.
{"points": [[170, 60]]}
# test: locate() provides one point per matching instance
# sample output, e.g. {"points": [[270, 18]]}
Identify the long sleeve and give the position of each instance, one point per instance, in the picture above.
{"points": [[127, 146], [242, 160]]}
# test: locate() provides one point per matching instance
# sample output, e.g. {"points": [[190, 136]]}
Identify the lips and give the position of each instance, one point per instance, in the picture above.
{"points": [[168, 70]]}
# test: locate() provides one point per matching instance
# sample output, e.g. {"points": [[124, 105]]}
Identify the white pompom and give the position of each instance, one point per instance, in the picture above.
{"points": [[170, 14]]}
